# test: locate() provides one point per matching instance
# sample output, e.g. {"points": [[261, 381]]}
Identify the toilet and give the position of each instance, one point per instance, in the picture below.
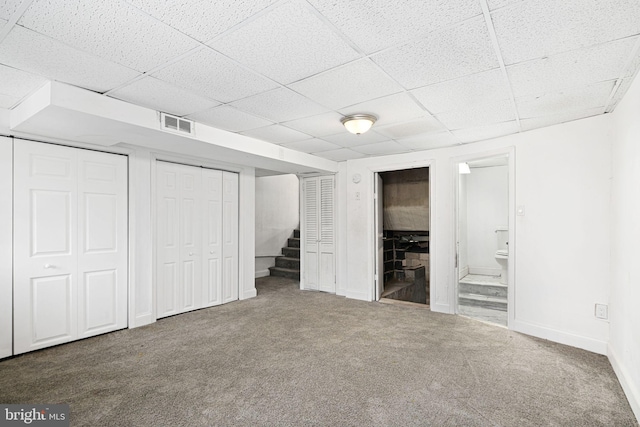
{"points": [[502, 254]]}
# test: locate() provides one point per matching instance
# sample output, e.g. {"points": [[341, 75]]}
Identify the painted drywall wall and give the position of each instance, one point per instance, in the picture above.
{"points": [[565, 207], [487, 209], [277, 215], [624, 299]]}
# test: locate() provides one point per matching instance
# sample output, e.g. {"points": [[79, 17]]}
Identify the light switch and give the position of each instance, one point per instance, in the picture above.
{"points": [[602, 311], [520, 210], [357, 195]]}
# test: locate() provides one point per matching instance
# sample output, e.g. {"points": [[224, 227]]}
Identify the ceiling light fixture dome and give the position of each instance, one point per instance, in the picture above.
{"points": [[358, 123]]}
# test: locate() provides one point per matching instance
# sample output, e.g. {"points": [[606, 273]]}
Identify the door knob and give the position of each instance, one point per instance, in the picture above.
{"points": [[210, 252], [49, 266], [190, 253]]}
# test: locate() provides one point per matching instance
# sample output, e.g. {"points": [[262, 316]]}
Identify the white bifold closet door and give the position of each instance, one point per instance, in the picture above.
{"points": [[318, 226], [70, 244], [197, 238]]}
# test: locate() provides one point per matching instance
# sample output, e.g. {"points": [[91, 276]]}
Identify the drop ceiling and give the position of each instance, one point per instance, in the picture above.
{"points": [[435, 72]]}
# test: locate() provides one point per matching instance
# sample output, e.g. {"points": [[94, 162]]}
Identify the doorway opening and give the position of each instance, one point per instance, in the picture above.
{"points": [[483, 239], [403, 235]]}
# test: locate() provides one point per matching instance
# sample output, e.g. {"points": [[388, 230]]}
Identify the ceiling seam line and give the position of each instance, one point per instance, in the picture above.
{"points": [[13, 21], [632, 56], [496, 48]]}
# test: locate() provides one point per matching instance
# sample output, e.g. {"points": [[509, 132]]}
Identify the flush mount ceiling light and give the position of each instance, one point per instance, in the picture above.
{"points": [[358, 123]]}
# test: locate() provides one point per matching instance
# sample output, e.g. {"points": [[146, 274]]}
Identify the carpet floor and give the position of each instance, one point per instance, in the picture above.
{"points": [[295, 358]]}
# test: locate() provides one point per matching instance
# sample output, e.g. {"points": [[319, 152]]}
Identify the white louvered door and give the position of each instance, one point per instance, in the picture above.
{"points": [[319, 234], [70, 250], [197, 238]]}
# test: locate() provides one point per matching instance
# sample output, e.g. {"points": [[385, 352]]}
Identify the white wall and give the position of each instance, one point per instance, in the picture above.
{"points": [[463, 258], [277, 215], [624, 299], [562, 179], [6, 247], [487, 209]]}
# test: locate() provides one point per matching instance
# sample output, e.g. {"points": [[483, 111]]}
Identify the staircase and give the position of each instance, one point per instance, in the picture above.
{"points": [[476, 291], [288, 265]]}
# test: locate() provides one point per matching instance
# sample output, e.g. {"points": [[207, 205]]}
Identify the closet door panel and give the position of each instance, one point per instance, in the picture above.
{"points": [[168, 239], [45, 245], [190, 238], [102, 257], [212, 237], [230, 236], [311, 230], [326, 244]]}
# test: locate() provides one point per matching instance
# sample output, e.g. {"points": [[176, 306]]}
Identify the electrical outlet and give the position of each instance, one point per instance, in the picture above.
{"points": [[602, 311]]}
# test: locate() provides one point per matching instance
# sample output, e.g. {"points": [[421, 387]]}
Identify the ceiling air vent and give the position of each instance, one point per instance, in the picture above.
{"points": [[176, 124]]}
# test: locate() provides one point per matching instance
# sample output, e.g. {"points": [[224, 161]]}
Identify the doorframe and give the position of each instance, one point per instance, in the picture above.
{"points": [[428, 163], [155, 157], [510, 153]]}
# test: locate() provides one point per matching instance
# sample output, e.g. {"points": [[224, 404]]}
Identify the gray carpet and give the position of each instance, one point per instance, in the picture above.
{"points": [[299, 358]]}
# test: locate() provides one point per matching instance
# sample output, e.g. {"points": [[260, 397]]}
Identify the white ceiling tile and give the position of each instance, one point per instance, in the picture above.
{"points": [[539, 122], [2, 23], [576, 68], [389, 109], [211, 74], [481, 133], [17, 83], [451, 53], [156, 94], [341, 155], [279, 105], [381, 148], [320, 125], [535, 29], [314, 145], [412, 127], [463, 92], [496, 4], [8, 8], [199, 19], [377, 25], [228, 118], [287, 44], [429, 140], [477, 115], [347, 85], [565, 101], [115, 31], [35, 53], [347, 139], [8, 101], [277, 134]]}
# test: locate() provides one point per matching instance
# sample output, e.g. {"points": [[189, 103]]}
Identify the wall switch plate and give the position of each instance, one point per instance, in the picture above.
{"points": [[602, 311]]}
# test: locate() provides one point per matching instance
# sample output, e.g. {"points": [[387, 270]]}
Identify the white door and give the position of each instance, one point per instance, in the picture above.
{"points": [[379, 218], [197, 238], [318, 227], [212, 237], [230, 236], [70, 244], [310, 228]]}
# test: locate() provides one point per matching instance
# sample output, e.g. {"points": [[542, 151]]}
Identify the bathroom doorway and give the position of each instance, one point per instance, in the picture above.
{"points": [[402, 213], [482, 245]]}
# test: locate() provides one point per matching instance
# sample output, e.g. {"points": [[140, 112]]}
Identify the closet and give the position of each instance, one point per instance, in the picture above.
{"points": [[70, 244], [318, 241], [196, 238]]}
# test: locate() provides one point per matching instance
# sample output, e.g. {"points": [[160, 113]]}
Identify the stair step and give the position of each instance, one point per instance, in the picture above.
{"points": [[293, 242], [491, 290], [288, 262], [296, 234], [474, 300], [291, 252], [284, 272]]}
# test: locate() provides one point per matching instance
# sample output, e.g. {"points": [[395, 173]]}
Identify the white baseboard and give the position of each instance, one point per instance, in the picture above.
{"points": [[579, 341], [463, 272], [262, 273], [485, 271], [441, 308], [362, 296], [630, 389], [251, 293]]}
